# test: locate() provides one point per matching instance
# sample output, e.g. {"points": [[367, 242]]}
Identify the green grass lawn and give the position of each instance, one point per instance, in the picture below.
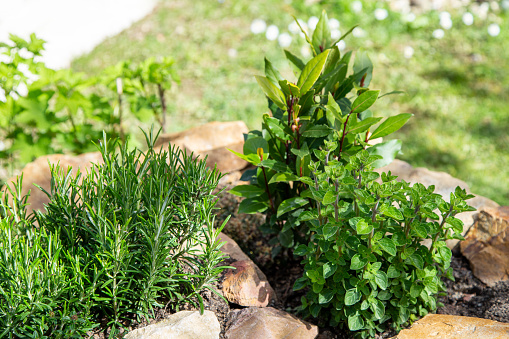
{"points": [[457, 87]]}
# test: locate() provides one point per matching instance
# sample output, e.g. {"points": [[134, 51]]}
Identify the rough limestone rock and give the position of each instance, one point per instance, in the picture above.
{"points": [[232, 248], [486, 245], [181, 325], [440, 326], [267, 323], [444, 185], [38, 172], [212, 140], [247, 286]]}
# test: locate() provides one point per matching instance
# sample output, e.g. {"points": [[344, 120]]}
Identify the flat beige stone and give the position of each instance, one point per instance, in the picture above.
{"points": [[268, 323], [181, 325], [440, 326]]}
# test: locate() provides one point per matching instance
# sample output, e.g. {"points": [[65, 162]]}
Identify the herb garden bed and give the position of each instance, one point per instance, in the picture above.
{"points": [[466, 296]]}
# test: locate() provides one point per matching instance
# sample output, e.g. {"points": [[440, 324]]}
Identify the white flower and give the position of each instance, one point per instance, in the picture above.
{"points": [[446, 22], [335, 34], [408, 52], [333, 24], [493, 29], [358, 32], [272, 32], [258, 26], [468, 18], [381, 14], [294, 28], [232, 53], [312, 22], [356, 6], [444, 15], [438, 33], [284, 40], [410, 17], [495, 6], [341, 45], [305, 51], [2, 96], [505, 4]]}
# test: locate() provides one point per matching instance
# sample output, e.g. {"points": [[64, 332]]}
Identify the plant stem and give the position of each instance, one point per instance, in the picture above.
{"points": [[343, 136], [441, 227], [119, 94], [163, 106], [268, 191]]}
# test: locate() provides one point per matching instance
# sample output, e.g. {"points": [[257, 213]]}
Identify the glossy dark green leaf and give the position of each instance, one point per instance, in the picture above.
{"points": [[378, 309], [363, 227], [388, 245], [271, 91], [300, 283], [272, 73], [393, 272], [247, 191], [251, 146], [311, 72], [289, 89], [391, 211], [352, 297], [294, 60], [322, 36], [249, 206], [317, 131], [291, 204], [381, 279], [363, 62], [355, 322], [329, 269], [286, 238], [251, 158], [363, 125], [325, 296], [329, 198], [390, 125], [364, 101], [416, 260], [283, 177], [274, 126], [358, 262]]}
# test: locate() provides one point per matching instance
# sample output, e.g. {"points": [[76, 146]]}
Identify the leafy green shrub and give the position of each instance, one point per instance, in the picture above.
{"points": [[305, 115], [365, 263], [361, 240], [54, 111], [133, 234]]}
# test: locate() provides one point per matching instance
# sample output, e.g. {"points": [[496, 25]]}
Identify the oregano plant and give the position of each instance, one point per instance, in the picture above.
{"points": [[365, 264], [322, 103]]}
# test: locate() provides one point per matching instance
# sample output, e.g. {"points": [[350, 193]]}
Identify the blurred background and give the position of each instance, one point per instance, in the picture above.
{"points": [[449, 57]]}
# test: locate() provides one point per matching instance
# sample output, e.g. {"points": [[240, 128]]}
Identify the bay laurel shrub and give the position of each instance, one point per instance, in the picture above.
{"points": [[131, 235], [364, 265]]}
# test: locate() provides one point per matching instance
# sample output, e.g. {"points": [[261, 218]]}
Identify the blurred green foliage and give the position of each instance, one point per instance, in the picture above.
{"points": [[457, 86]]}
